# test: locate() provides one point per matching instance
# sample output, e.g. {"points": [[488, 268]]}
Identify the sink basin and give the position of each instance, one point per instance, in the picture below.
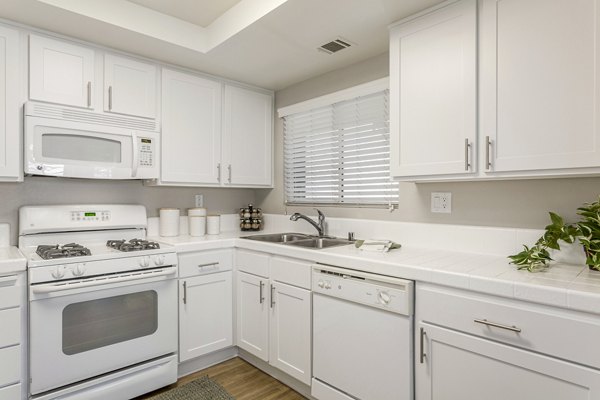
{"points": [[300, 240], [278, 237], [321, 243]]}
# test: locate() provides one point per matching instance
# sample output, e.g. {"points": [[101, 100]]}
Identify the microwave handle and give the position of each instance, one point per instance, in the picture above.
{"points": [[134, 169]]}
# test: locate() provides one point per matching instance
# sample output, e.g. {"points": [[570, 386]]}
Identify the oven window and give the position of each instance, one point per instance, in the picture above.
{"points": [[80, 148], [98, 323]]}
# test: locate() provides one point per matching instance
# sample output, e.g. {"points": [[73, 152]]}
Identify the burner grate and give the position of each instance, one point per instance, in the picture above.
{"points": [[132, 245], [68, 250]]}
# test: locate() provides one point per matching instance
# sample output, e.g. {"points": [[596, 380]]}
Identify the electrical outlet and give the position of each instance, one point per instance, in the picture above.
{"points": [[199, 200], [441, 202]]}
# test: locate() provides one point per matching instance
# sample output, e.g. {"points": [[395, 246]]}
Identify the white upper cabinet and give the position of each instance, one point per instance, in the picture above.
{"points": [[60, 72], [433, 92], [129, 87], [247, 137], [541, 80], [10, 142], [191, 129]]}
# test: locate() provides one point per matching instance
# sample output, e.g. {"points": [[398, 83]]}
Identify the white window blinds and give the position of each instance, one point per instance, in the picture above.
{"points": [[340, 153]]}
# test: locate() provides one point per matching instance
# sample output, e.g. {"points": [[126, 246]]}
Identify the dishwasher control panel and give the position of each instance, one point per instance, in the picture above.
{"points": [[391, 294]]}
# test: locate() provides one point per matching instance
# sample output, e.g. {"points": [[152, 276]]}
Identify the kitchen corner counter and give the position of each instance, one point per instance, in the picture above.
{"points": [[568, 286], [11, 261]]}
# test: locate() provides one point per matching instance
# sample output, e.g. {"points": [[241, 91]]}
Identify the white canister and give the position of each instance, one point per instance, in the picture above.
{"points": [[213, 224], [197, 212], [197, 225], [169, 222]]}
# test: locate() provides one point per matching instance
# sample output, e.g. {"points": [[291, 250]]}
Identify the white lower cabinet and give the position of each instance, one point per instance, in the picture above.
{"points": [[205, 303], [472, 346], [13, 369], [274, 316]]}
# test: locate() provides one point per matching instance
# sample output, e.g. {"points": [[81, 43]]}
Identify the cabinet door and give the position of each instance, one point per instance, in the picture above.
{"points": [[129, 87], [247, 137], [541, 81], [60, 72], [290, 333], [253, 315], [191, 129], [460, 366], [205, 314], [10, 143], [433, 93]]}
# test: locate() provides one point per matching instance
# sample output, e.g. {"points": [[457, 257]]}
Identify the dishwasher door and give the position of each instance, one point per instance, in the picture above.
{"points": [[363, 351]]}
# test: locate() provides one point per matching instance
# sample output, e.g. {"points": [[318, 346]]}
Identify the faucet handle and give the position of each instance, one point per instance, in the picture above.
{"points": [[321, 215]]}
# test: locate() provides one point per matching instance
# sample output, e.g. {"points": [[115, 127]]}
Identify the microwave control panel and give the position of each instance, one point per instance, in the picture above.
{"points": [[146, 152]]}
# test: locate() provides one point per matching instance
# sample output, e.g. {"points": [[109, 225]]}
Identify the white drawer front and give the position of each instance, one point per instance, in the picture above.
{"points": [[10, 321], [10, 365], [564, 334], [291, 271], [10, 392], [205, 262], [252, 262], [9, 292]]}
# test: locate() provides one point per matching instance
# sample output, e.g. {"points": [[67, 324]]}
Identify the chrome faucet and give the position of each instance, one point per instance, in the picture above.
{"points": [[320, 227]]}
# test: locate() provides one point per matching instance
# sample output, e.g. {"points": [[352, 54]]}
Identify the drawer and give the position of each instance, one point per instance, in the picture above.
{"points": [[10, 392], [252, 262], [560, 333], [10, 295], [291, 271], [10, 365], [205, 262], [10, 321]]}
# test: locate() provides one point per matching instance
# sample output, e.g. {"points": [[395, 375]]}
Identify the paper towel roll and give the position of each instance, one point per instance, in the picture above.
{"points": [[197, 212], [213, 224], [169, 222], [197, 225]]}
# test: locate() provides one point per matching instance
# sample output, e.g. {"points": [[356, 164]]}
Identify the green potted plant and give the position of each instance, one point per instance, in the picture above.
{"points": [[586, 230]]}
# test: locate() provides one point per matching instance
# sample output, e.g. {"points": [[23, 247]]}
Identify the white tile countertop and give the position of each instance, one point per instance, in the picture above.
{"points": [[11, 259]]}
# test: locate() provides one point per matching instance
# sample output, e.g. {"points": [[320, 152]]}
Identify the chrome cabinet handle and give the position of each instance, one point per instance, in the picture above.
{"points": [[422, 354], [219, 172], [184, 292], [488, 145], [261, 298], [89, 94], [208, 264], [229, 169], [272, 295], [110, 98], [497, 325], [467, 147]]}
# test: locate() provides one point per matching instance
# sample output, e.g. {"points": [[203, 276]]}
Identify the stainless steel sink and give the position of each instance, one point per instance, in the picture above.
{"points": [[300, 240], [278, 237], [321, 243]]}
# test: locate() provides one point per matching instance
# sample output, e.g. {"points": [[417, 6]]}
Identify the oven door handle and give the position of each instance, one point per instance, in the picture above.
{"points": [[57, 287]]}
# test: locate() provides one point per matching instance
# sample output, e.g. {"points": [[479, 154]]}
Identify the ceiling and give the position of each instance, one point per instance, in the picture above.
{"points": [[267, 43]]}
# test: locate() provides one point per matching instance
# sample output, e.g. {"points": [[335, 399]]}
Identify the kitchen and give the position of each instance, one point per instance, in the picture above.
{"points": [[491, 109]]}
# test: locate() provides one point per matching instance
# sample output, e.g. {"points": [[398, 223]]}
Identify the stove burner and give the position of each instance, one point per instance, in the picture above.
{"points": [[48, 252], [132, 245]]}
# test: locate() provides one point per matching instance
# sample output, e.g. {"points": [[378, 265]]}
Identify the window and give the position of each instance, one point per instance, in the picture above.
{"points": [[339, 153]]}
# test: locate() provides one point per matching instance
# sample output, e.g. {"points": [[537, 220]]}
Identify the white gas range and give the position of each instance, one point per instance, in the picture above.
{"points": [[103, 302]]}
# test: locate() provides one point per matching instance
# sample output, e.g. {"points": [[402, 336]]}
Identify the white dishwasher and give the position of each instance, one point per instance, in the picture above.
{"points": [[362, 335]]}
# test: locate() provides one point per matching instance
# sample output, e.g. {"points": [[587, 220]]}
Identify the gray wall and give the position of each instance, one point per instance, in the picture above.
{"points": [[522, 203], [46, 190]]}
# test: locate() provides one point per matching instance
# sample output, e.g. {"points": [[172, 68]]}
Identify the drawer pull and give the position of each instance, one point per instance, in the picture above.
{"points": [[496, 325], [213, 264]]}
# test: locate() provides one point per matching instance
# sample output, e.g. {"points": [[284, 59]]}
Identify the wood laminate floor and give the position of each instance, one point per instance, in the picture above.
{"points": [[242, 380]]}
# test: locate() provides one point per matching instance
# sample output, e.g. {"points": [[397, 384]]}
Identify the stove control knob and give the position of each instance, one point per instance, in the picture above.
{"points": [[79, 270], [384, 298], [159, 259], [145, 262], [327, 285], [59, 272], [321, 284]]}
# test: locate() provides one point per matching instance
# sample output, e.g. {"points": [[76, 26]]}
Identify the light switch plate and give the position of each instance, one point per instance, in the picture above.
{"points": [[199, 200], [441, 202]]}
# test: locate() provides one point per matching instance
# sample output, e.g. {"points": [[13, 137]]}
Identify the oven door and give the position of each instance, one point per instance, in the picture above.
{"points": [[86, 331], [81, 150]]}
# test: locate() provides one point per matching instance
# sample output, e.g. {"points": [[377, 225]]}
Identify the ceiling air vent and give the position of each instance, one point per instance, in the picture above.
{"points": [[334, 46]]}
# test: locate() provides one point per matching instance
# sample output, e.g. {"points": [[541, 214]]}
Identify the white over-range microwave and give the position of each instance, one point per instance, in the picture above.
{"points": [[75, 143]]}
